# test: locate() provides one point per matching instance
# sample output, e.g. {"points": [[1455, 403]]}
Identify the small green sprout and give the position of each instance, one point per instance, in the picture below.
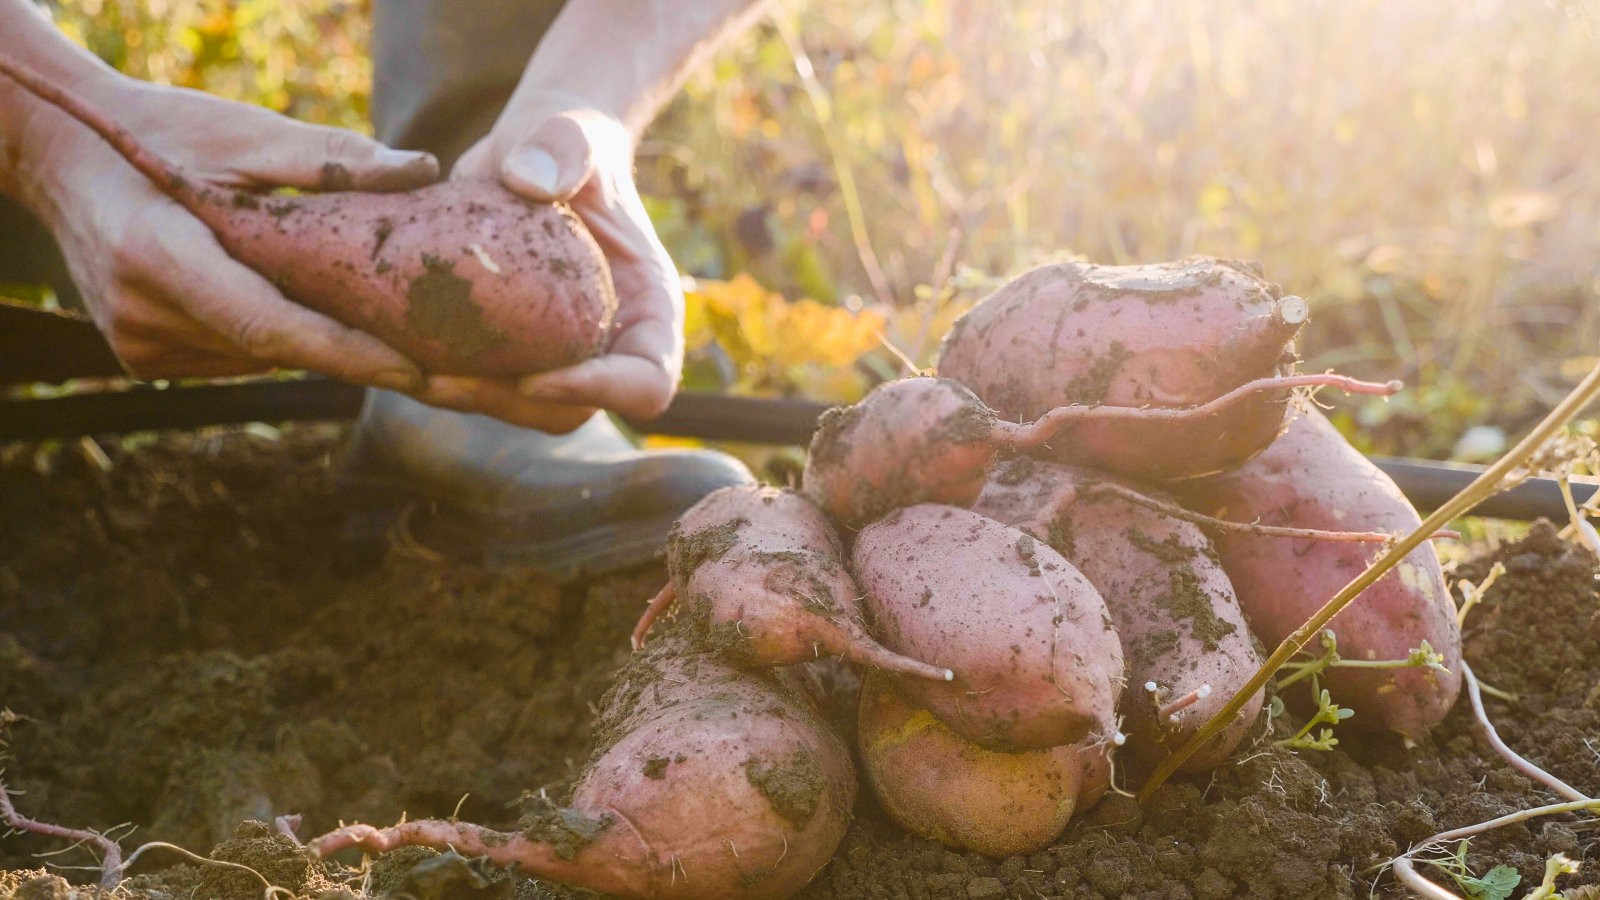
{"points": [[1329, 713], [1495, 884]]}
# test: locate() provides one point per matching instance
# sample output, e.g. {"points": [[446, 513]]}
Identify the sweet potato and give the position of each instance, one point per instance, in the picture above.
{"points": [[463, 276], [916, 440], [761, 576], [714, 783], [1174, 608], [1165, 335], [1311, 477], [939, 785], [931, 440], [1035, 653]]}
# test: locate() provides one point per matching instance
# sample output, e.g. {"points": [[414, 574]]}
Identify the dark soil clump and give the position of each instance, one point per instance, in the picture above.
{"points": [[190, 647], [442, 305]]}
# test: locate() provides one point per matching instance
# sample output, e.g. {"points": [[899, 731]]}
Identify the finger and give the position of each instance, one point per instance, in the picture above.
{"points": [[650, 315], [552, 162], [476, 162], [145, 325], [636, 387], [184, 262], [320, 158], [146, 359], [500, 399]]}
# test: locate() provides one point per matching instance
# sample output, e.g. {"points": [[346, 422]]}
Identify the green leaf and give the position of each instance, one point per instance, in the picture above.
{"points": [[1496, 884]]}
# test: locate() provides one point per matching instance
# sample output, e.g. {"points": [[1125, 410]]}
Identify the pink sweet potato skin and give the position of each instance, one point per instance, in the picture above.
{"points": [[710, 783], [720, 782], [1036, 658], [1312, 478], [1170, 334], [1173, 606], [939, 785], [760, 576], [916, 440], [462, 276]]}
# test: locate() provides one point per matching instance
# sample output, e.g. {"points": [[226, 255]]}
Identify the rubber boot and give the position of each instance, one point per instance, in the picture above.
{"points": [[469, 487]]}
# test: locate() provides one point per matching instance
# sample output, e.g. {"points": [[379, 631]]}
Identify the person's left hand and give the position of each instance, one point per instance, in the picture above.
{"points": [[568, 152]]}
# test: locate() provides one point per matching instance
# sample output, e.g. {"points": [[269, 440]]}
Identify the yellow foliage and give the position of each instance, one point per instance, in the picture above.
{"points": [[779, 345]]}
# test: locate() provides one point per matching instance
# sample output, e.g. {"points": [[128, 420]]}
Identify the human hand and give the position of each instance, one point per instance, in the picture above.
{"points": [[551, 147], [167, 297]]}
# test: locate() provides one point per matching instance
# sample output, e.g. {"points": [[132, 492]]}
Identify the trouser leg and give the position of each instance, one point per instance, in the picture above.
{"points": [[29, 256], [442, 69]]}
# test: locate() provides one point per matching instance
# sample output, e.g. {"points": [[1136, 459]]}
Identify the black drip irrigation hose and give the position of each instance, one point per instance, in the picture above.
{"points": [[716, 417]]}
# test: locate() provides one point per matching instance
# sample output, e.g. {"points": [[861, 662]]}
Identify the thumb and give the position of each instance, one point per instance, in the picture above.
{"points": [[322, 158], [552, 162]]}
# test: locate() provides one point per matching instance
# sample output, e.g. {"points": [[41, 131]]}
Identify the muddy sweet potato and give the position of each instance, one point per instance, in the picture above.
{"points": [[462, 276], [937, 784], [916, 440], [1036, 657], [759, 575], [1181, 627], [1166, 335], [713, 782], [931, 440], [1311, 477]]}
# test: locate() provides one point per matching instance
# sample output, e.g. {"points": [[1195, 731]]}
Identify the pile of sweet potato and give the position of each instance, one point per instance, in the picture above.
{"points": [[1001, 555]]}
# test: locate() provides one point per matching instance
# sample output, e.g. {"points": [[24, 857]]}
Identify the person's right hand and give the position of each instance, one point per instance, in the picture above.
{"points": [[167, 297]]}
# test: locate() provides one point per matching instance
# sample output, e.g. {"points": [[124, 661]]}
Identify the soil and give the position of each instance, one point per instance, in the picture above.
{"points": [[194, 640]]}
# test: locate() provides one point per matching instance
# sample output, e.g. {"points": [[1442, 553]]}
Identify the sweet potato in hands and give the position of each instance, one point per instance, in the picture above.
{"points": [[462, 276], [1163, 335], [938, 784], [760, 575], [712, 782], [1036, 656], [1181, 627], [1312, 478]]}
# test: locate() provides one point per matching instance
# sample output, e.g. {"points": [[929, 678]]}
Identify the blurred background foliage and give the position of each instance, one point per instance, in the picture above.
{"points": [[847, 177]]}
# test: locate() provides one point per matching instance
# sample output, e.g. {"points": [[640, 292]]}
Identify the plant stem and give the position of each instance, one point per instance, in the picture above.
{"points": [[1586, 532], [823, 109], [1498, 694], [1511, 756], [1407, 874], [1481, 488]]}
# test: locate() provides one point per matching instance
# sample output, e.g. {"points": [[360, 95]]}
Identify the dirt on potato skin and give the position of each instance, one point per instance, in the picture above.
{"points": [[190, 645]]}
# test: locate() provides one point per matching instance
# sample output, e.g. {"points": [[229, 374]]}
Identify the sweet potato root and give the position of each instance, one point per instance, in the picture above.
{"points": [[716, 783], [1174, 608], [463, 276], [1035, 653], [931, 440], [1165, 335], [1311, 477], [939, 785], [760, 576]]}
